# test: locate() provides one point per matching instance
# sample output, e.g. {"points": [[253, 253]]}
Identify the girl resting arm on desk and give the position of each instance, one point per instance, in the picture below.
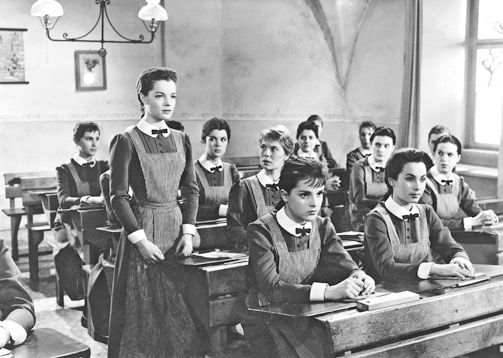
{"points": [[17, 314], [403, 238]]}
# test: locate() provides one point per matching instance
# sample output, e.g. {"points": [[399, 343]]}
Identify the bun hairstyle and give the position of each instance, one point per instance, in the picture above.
{"points": [[383, 132], [447, 138], [146, 81], [212, 124], [401, 157], [367, 124], [296, 170], [438, 129], [82, 127]]}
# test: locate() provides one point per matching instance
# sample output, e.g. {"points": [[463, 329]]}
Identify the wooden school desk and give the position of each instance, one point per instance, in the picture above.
{"points": [[484, 245], [447, 321]]}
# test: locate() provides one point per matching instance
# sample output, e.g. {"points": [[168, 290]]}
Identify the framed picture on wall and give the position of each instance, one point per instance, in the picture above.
{"points": [[90, 71], [12, 65]]}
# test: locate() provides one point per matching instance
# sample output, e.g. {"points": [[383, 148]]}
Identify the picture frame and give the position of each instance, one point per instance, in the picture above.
{"points": [[12, 63], [90, 71]]}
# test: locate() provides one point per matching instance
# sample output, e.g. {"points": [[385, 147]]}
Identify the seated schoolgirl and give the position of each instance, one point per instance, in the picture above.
{"points": [[296, 256], [17, 314], [323, 146], [404, 239], [365, 131], [214, 177], [449, 194], [255, 196], [308, 145], [78, 183], [366, 186]]}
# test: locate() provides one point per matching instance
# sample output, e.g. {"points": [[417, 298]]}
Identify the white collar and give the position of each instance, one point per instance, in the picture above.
{"points": [[81, 161], [310, 155], [288, 224], [147, 128], [206, 164], [264, 179], [440, 177], [365, 152], [398, 210], [373, 164]]}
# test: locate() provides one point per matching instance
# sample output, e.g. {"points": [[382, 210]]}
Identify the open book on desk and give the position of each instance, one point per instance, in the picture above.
{"points": [[212, 258]]}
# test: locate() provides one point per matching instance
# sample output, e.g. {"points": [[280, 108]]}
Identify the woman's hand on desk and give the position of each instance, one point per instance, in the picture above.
{"points": [[369, 284], [149, 251], [185, 246], [463, 263], [349, 288], [333, 183], [91, 199], [450, 270], [4, 337], [487, 217]]}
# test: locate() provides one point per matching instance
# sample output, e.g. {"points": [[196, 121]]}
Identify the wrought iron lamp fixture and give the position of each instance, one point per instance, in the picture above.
{"points": [[49, 12]]}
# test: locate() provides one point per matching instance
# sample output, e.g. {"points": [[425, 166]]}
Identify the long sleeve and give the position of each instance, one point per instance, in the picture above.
{"points": [[121, 154], [64, 188], [188, 185], [380, 252], [335, 264], [239, 214], [441, 239], [351, 159], [331, 162], [15, 302], [468, 199], [263, 265], [357, 191]]}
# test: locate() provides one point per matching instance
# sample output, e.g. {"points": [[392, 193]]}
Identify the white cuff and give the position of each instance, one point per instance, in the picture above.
{"points": [[222, 210], [423, 272], [136, 236], [189, 229], [17, 332], [317, 292], [468, 223], [84, 198]]}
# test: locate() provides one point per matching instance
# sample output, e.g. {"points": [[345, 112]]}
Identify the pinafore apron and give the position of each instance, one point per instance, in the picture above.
{"points": [[215, 195], [149, 316], [447, 199], [293, 267]]}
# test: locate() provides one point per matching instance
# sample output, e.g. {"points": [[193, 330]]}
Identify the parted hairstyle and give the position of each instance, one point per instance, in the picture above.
{"points": [[296, 170], [212, 124], [146, 81], [401, 157], [367, 124], [82, 127], [278, 133], [447, 138], [383, 132], [315, 117], [307, 125], [438, 129]]}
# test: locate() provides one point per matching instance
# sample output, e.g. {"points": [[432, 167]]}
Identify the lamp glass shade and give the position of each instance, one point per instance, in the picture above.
{"points": [[153, 11], [52, 8]]}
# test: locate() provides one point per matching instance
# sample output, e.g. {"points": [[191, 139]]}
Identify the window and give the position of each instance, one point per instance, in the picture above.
{"points": [[485, 74]]}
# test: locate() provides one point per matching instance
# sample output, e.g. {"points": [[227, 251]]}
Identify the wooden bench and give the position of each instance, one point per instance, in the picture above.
{"points": [[49, 343], [16, 211]]}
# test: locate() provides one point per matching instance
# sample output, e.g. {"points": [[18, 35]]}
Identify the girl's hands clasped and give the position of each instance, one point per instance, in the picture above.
{"points": [[356, 285]]}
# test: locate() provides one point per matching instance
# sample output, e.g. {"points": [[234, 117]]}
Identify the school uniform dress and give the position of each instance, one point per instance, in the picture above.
{"points": [[366, 189], [76, 179], [149, 316], [214, 182], [452, 198], [323, 152], [289, 263], [355, 156], [401, 243], [249, 199], [14, 297]]}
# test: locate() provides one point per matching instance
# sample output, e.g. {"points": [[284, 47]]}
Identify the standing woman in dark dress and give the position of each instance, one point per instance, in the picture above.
{"points": [[214, 177], [256, 196], [149, 317]]}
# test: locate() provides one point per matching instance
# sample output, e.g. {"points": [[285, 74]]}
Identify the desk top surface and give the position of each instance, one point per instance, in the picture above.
{"points": [[48, 343]]}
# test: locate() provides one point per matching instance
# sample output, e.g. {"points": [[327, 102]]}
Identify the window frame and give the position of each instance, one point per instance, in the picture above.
{"points": [[472, 45]]}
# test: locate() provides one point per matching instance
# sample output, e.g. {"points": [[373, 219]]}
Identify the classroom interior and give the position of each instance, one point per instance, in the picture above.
{"points": [[408, 65]]}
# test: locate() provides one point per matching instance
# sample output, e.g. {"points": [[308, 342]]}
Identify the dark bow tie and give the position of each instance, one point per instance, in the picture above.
{"points": [[380, 169], [160, 131], [410, 217], [214, 169], [446, 181], [302, 230], [272, 186], [88, 164]]}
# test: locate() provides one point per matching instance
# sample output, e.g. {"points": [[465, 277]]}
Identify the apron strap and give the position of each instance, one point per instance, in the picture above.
{"points": [[258, 195], [83, 188]]}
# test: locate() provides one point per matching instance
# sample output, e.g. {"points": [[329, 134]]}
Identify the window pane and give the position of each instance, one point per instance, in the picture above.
{"points": [[490, 19], [489, 96]]}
